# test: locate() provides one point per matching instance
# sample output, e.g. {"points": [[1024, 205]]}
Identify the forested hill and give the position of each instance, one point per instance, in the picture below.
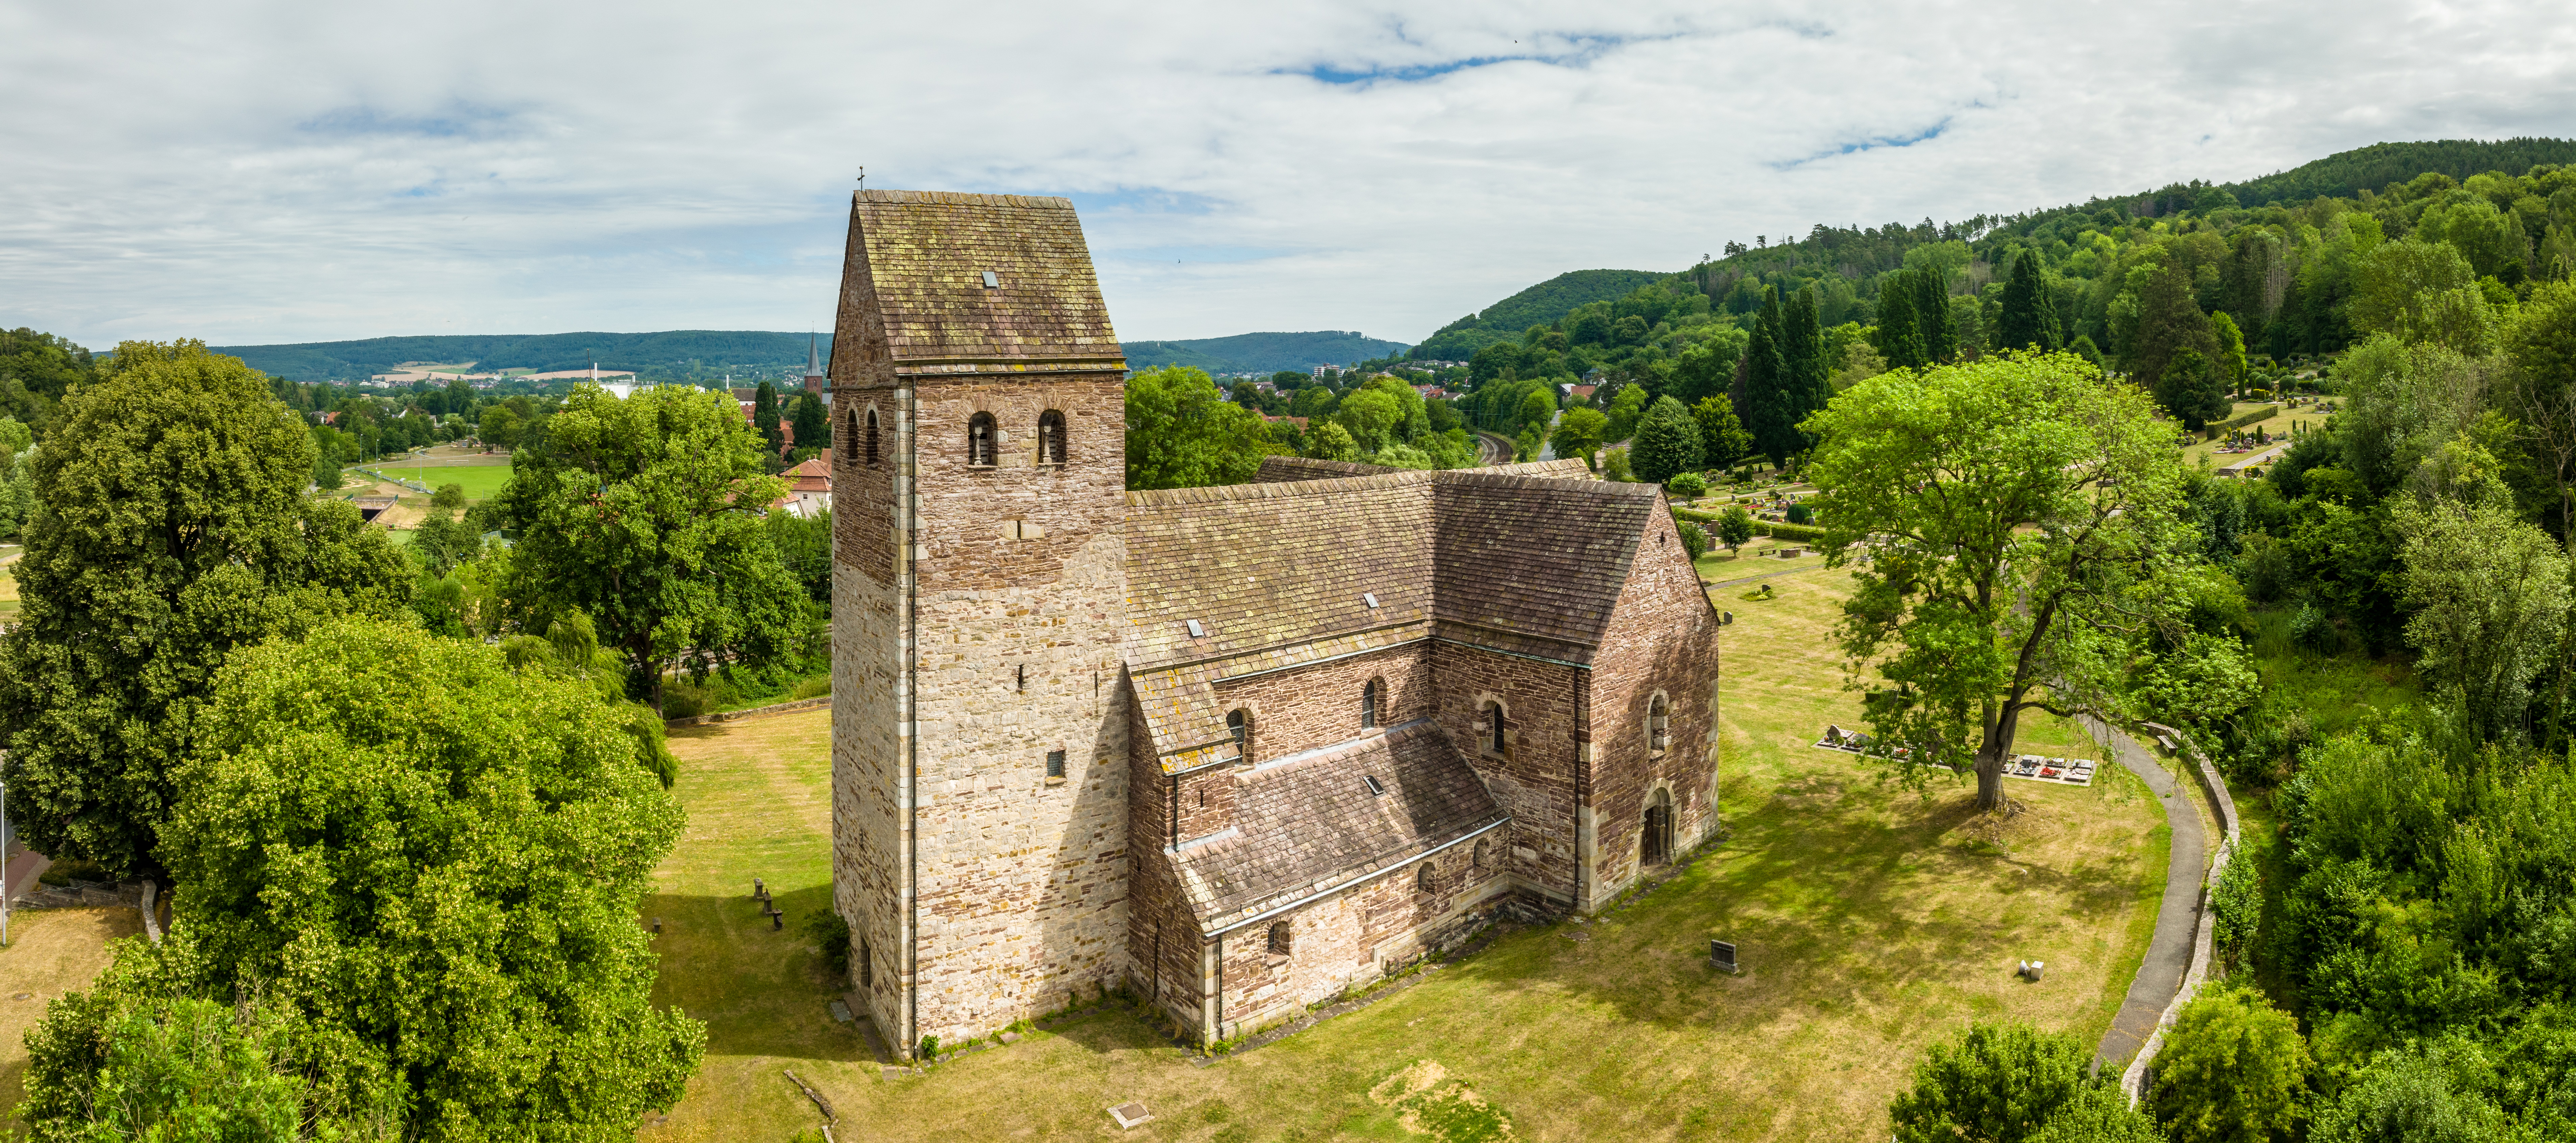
{"points": [[1261, 352], [2381, 164], [672, 355], [1546, 302]]}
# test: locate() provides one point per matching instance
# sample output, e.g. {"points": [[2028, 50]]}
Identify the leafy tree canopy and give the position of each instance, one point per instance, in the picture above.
{"points": [[1183, 433], [176, 532]]}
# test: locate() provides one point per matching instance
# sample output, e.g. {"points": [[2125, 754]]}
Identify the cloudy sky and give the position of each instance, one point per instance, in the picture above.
{"points": [[251, 173]]}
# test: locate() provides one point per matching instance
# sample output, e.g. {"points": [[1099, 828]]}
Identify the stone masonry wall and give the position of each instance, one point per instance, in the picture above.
{"points": [[868, 824], [1533, 780], [1662, 636], [1021, 878], [1162, 937], [1354, 937], [1303, 709]]}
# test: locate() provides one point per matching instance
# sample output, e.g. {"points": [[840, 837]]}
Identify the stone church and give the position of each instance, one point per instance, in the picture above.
{"points": [[1237, 748]]}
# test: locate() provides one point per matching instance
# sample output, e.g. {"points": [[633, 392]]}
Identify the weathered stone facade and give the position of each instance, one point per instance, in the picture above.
{"points": [[1230, 747]]}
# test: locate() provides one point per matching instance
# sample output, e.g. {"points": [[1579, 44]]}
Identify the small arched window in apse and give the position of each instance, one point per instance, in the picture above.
{"points": [[1279, 938], [1050, 437], [1426, 880], [979, 440]]}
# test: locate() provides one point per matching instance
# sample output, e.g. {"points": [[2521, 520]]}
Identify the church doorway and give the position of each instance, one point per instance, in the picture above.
{"points": [[1656, 846]]}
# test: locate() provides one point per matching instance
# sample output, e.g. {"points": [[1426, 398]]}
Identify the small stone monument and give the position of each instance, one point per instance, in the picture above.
{"points": [[1130, 1115], [759, 892], [1721, 956], [2030, 970]]}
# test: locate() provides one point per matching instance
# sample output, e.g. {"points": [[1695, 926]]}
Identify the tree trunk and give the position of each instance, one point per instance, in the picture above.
{"points": [[1990, 775]]}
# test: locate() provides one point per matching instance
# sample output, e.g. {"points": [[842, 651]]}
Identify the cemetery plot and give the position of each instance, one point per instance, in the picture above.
{"points": [[2031, 767]]}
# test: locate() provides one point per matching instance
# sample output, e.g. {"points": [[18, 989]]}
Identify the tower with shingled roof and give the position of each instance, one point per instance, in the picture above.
{"points": [[979, 747]]}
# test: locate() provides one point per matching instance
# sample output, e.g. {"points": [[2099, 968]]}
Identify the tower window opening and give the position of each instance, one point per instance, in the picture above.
{"points": [[1238, 726], [1051, 437], [1368, 705], [872, 438], [979, 440], [1494, 733], [1055, 763]]}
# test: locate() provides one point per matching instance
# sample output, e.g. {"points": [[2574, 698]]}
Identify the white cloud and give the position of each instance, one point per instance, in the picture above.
{"points": [[251, 173]]}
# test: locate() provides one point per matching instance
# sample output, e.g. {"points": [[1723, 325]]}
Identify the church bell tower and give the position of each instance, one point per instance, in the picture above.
{"points": [[979, 743]]}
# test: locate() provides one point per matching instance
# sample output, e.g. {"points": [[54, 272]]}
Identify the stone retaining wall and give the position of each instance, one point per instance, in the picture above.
{"points": [[754, 712], [2134, 1082]]}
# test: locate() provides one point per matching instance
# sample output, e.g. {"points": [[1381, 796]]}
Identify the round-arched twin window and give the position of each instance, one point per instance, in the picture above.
{"points": [[1050, 437], [980, 445]]}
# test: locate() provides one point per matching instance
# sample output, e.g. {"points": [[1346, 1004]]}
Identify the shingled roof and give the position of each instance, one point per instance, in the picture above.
{"points": [[914, 280], [1308, 824], [1280, 572]]}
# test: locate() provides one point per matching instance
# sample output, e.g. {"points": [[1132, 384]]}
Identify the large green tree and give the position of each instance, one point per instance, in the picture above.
{"points": [[1183, 433], [1771, 406], [433, 863], [645, 513], [1722, 439], [1932, 317], [2233, 1070], [2191, 390], [2167, 320], [36, 370], [1667, 443], [2422, 292], [766, 416], [2001, 516], [1993, 1083], [2488, 595], [1899, 336], [173, 530]]}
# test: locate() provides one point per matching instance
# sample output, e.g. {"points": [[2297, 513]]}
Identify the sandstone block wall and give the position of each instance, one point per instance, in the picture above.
{"points": [[1662, 637], [1534, 779]]}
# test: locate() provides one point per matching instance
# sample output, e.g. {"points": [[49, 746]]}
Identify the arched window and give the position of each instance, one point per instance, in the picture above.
{"points": [[1494, 739], [1279, 938], [1659, 725], [1238, 726], [1050, 437], [979, 440], [1425, 880], [1368, 705], [1655, 841], [872, 438]]}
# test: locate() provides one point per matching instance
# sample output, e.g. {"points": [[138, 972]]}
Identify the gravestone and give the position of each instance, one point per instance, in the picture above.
{"points": [[1130, 1114], [1721, 955]]}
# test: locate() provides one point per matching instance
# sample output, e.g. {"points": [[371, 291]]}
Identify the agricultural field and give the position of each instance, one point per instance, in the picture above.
{"points": [[1872, 920]]}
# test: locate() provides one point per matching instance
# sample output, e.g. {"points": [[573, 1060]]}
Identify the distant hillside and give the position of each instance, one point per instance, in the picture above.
{"points": [[684, 354], [1261, 352], [2375, 166], [1537, 305]]}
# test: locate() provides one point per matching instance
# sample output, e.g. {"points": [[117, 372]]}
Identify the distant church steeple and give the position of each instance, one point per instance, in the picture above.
{"points": [[814, 369]]}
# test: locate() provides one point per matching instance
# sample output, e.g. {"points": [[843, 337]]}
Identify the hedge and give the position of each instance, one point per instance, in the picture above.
{"points": [[2267, 412], [1778, 531]]}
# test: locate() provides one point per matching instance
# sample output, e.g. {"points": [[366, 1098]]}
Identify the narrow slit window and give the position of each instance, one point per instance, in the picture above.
{"points": [[1368, 706], [1238, 726], [1055, 763], [1494, 728], [872, 438]]}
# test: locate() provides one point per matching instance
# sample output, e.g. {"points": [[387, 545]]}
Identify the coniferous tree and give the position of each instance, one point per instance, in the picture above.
{"points": [[764, 418], [1898, 340], [1774, 414], [1932, 318], [2029, 317], [1802, 345]]}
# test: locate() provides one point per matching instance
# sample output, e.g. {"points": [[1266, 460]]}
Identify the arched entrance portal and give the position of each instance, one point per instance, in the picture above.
{"points": [[1656, 845]]}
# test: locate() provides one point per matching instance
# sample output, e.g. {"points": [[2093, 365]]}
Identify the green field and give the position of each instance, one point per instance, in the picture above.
{"points": [[1872, 920], [482, 481]]}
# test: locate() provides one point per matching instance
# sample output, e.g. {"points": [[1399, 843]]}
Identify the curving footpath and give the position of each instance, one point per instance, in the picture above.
{"points": [[2178, 957]]}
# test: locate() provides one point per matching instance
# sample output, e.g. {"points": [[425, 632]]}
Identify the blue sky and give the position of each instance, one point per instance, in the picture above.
{"points": [[253, 172]]}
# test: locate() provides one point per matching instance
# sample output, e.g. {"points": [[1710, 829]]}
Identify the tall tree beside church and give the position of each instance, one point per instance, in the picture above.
{"points": [[2169, 321], [1898, 340], [813, 426], [2029, 317], [1773, 409], [1932, 317], [176, 533]]}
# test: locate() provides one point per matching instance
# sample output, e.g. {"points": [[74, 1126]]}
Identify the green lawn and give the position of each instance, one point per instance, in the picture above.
{"points": [[1872, 920], [482, 481]]}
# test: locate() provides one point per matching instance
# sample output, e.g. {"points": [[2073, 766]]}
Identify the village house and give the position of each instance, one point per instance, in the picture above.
{"points": [[1234, 749]]}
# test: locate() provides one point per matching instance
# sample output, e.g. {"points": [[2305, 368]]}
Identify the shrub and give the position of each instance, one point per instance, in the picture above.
{"points": [[448, 496], [1614, 466], [813, 688], [680, 700], [1799, 513], [830, 930], [2313, 630], [2098, 1115], [2236, 907], [1735, 528], [1995, 1082], [1689, 485], [1694, 539], [2233, 1070]]}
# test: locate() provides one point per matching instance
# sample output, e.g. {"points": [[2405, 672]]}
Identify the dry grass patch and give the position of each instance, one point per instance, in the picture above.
{"points": [[1871, 920], [51, 952]]}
